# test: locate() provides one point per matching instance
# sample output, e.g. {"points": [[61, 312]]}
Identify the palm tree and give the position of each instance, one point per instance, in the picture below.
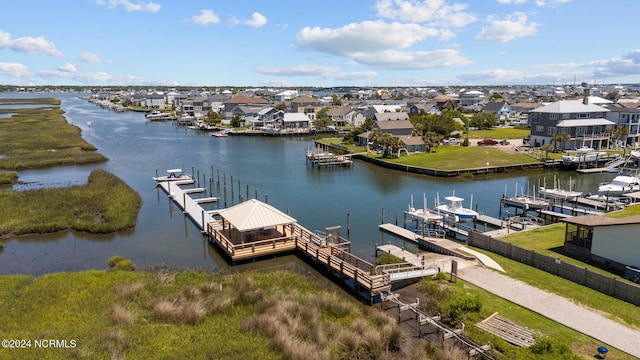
{"points": [[560, 137], [375, 137], [547, 148]]}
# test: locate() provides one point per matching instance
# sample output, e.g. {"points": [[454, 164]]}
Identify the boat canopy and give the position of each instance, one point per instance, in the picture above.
{"points": [[454, 198], [171, 171]]}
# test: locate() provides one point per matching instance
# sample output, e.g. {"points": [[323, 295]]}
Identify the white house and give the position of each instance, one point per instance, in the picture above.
{"points": [[610, 241]]}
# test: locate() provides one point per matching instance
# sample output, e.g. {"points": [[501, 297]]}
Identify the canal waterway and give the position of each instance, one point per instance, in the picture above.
{"points": [[355, 197]]}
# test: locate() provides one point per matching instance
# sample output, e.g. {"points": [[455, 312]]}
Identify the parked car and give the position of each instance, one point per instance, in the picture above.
{"points": [[451, 141], [484, 142]]}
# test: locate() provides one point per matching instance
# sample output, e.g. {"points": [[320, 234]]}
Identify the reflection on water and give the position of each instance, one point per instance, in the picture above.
{"points": [[272, 167]]}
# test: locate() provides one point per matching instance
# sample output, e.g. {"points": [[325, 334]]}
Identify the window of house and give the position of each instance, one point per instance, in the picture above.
{"points": [[566, 116], [582, 115], [580, 130], [551, 130], [553, 116], [539, 128]]}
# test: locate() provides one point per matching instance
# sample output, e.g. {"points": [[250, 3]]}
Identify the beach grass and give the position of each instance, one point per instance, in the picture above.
{"points": [[190, 314], [8, 177], [41, 137], [105, 204]]}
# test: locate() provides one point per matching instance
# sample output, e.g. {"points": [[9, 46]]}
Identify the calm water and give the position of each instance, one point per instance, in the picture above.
{"points": [[276, 167]]}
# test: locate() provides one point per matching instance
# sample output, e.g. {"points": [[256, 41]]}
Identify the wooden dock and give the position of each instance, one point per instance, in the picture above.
{"points": [[329, 159], [335, 257], [438, 245]]}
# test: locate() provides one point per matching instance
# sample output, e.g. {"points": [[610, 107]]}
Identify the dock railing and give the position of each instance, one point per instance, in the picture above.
{"points": [[252, 248]]}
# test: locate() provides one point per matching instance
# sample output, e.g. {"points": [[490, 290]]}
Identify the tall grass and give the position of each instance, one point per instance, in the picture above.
{"points": [[105, 204], [41, 137]]}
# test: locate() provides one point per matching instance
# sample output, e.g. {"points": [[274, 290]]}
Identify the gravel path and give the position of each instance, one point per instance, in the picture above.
{"points": [[555, 308]]}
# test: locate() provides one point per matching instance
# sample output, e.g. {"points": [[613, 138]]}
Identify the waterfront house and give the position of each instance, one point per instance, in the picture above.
{"points": [[197, 106], [629, 117], [293, 122], [242, 100], [609, 241], [376, 109], [584, 122], [338, 115], [267, 117], [355, 117]]}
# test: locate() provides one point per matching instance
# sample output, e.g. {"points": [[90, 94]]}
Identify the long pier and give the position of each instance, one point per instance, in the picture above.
{"points": [[328, 252]]}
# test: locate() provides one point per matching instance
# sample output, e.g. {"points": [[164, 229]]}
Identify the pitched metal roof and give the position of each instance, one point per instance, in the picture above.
{"points": [[254, 214], [570, 106]]}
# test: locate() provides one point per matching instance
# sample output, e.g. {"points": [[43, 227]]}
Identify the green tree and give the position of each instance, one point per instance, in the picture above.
{"points": [[561, 138], [495, 97], [236, 121], [336, 100], [432, 140], [547, 148]]}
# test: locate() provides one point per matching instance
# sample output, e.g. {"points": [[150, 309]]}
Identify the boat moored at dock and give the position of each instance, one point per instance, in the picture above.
{"points": [[424, 214], [173, 175], [455, 209]]}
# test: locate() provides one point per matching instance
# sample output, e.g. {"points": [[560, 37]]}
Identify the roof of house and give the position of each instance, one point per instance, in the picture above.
{"points": [[254, 214], [305, 99], [569, 106], [242, 99], [597, 220], [337, 111], [295, 117], [494, 106], [412, 140], [398, 124], [391, 116]]}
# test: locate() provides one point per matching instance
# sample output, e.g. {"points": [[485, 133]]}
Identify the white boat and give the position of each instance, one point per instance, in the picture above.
{"points": [[219, 134], [524, 201], [455, 209], [174, 175], [423, 214], [158, 116], [624, 182], [557, 192], [583, 155], [635, 155]]}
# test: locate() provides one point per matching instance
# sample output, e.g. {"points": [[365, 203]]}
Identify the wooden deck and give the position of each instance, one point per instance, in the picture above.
{"points": [[507, 330], [340, 261], [284, 238]]}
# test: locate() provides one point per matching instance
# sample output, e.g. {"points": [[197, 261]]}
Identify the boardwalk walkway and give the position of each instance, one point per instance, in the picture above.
{"points": [[556, 308]]}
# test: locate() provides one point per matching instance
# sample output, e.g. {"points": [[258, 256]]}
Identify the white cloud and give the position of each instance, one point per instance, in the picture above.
{"points": [[517, 2], [357, 39], [85, 78], [15, 70], [542, 3], [432, 11], [130, 6], [325, 72], [257, 20], [28, 44], [206, 17], [68, 67], [412, 60], [92, 58], [512, 27], [625, 65]]}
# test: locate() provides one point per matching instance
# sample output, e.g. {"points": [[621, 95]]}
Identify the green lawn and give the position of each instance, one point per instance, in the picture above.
{"points": [[447, 157]]}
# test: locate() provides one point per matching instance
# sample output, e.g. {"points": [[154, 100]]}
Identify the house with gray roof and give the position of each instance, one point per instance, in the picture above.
{"points": [[390, 116], [584, 122]]}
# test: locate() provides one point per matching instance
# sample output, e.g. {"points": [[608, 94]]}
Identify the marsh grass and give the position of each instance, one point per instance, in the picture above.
{"points": [[41, 137], [8, 177], [105, 204], [121, 316]]}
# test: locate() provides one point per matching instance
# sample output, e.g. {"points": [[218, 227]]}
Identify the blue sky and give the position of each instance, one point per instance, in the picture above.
{"points": [[318, 43]]}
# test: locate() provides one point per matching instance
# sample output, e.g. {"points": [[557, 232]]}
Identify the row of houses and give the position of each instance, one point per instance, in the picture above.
{"points": [[589, 120]]}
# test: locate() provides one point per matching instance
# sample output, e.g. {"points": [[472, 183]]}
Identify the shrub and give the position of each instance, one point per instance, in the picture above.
{"points": [[114, 260], [126, 265], [193, 312]]}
